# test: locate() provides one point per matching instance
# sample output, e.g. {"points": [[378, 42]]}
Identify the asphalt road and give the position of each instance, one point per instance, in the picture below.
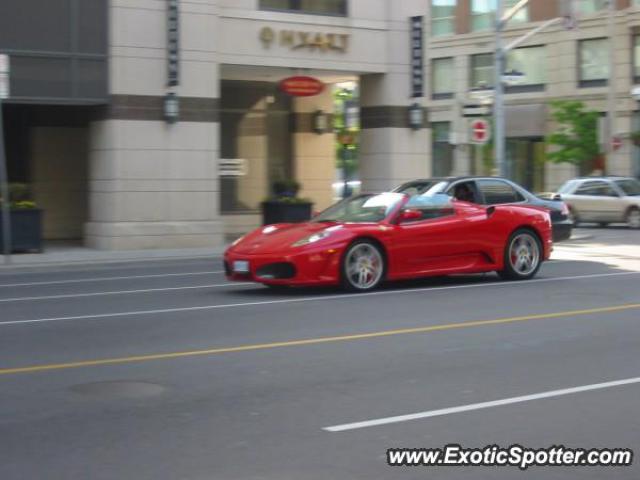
{"points": [[163, 370]]}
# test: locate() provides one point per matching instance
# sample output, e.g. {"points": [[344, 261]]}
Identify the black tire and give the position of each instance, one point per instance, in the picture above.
{"points": [[633, 218], [375, 264], [528, 240], [574, 217], [278, 288]]}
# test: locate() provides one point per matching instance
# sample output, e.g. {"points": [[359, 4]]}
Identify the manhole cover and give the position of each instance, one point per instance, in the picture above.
{"points": [[119, 388]]}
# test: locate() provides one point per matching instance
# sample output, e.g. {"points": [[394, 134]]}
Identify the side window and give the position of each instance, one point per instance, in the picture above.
{"points": [[497, 191], [592, 189], [431, 206], [606, 190], [464, 191]]}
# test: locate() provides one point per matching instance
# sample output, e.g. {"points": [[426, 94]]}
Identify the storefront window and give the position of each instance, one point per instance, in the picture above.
{"points": [[442, 78], [483, 14], [594, 62], [443, 15], [321, 7], [255, 143], [441, 149]]}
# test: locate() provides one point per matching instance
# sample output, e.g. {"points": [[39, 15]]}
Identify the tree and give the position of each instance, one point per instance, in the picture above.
{"points": [[576, 139]]}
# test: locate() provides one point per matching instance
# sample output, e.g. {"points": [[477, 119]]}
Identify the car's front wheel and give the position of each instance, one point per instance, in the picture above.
{"points": [[633, 218], [522, 255], [363, 266]]}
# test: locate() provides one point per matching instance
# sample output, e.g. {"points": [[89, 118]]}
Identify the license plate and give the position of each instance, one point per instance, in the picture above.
{"points": [[241, 266]]}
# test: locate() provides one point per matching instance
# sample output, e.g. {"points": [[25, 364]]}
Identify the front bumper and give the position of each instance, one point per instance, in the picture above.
{"points": [[317, 266]]}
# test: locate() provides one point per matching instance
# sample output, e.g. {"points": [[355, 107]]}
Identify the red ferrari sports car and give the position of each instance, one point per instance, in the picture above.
{"points": [[364, 240]]}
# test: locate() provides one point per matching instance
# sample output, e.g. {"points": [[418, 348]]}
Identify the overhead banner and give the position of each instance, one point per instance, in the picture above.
{"points": [[417, 57]]}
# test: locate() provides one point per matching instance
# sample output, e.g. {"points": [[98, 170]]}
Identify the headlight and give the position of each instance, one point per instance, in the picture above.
{"points": [[312, 238]]}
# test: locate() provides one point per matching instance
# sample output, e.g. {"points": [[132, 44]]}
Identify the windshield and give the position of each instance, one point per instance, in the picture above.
{"points": [[629, 186], [362, 209], [428, 187], [567, 187]]}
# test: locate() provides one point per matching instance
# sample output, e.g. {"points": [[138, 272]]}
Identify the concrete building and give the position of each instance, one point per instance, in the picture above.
{"points": [[557, 63], [86, 124], [89, 123]]}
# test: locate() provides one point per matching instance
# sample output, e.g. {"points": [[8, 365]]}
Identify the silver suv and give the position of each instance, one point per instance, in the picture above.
{"points": [[603, 200]]}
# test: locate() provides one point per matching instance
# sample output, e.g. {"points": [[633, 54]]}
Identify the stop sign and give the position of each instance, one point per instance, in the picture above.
{"points": [[480, 131]]}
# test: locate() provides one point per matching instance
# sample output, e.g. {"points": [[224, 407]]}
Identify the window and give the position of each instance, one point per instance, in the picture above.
{"points": [[442, 78], [320, 7], [596, 189], [629, 187], [482, 70], [532, 62], [593, 62], [483, 13], [529, 60], [636, 58], [496, 192], [441, 150], [443, 14], [590, 7]]}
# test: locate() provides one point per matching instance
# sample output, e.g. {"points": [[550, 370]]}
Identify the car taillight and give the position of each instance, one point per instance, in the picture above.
{"points": [[565, 209]]}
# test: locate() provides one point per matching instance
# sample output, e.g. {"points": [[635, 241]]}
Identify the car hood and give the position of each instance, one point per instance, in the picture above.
{"points": [[280, 237]]}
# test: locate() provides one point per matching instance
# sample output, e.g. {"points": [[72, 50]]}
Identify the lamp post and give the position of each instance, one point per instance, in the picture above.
{"points": [[498, 108]]}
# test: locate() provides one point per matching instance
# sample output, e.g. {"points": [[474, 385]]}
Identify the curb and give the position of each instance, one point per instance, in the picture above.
{"points": [[102, 258]]}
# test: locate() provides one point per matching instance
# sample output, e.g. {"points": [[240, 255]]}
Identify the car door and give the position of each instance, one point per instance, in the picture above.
{"points": [[440, 240], [595, 201]]}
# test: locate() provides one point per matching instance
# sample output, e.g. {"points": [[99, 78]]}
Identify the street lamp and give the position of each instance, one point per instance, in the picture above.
{"points": [[416, 117]]}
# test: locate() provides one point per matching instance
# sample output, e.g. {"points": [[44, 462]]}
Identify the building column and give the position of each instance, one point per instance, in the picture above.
{"points": [[314, 154], [154, 184], [391, 152]]}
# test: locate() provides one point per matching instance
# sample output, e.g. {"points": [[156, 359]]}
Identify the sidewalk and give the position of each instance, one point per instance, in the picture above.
{"points": [[74, 254]]}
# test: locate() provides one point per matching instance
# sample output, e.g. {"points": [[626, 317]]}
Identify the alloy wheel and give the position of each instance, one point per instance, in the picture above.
{"points": [[364, 266], [524, 254]]}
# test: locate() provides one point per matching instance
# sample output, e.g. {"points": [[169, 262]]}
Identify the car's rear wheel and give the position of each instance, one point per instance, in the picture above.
{"points": [[363, 266], [633, 218], [522, 255]]}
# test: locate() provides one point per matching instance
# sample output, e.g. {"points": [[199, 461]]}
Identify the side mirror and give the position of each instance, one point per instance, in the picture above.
{"points": [[409, 215]]}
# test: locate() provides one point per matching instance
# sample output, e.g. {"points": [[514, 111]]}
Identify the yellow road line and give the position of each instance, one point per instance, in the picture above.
{"points": [[313, 341]]}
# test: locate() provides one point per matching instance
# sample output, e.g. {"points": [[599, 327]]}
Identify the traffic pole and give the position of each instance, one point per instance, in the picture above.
{"points": [[4, 193]]}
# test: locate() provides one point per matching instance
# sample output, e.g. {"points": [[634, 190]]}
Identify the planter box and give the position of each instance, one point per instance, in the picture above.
{"points": [[280, 212], [26, 231]]}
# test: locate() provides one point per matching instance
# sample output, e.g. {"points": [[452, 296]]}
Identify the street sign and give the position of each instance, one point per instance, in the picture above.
{"points": [[616, 143], [480, 131], [4, 76], [476, 111]]}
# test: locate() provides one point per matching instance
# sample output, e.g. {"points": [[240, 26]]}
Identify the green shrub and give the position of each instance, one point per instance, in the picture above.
{"points": [[20, 197]]}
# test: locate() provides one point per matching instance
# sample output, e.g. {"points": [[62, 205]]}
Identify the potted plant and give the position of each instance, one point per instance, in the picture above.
{"points": [[26, 220], [285, 206], [635, 138]]}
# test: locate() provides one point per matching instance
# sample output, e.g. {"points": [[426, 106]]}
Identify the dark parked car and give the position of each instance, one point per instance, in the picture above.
{"points": [[493, 191]]}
